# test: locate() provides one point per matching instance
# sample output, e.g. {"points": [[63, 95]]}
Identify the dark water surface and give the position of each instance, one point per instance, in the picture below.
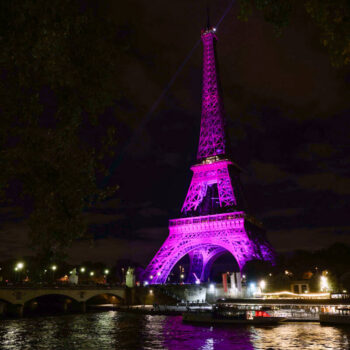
{"points": [[115, 330]]}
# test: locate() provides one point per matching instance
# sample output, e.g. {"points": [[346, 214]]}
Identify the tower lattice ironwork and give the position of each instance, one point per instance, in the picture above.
{"points": [[214, 218]]}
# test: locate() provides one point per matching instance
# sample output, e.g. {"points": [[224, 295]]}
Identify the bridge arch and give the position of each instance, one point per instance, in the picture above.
{"points": [[60, 296], [118, 297], [39, 294], [5, 300]]}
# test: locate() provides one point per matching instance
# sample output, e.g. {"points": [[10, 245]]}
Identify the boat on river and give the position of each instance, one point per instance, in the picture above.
{"points": [[337, 316], [221, 315]]}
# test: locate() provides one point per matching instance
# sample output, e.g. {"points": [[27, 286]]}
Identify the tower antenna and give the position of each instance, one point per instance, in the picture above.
{"points": [[208, 17]]}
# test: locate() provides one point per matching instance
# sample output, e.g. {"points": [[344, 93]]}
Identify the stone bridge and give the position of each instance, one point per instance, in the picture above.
{"points": [[20, 295]]}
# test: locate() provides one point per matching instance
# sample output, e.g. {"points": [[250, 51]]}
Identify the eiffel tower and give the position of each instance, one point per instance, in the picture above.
{"points": [[214, 219]]}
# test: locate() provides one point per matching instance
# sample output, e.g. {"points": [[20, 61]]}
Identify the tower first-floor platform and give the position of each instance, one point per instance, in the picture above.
{"points": [[205, 238]]}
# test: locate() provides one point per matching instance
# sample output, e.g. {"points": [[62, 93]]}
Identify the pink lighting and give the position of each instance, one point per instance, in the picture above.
{"points": [[212, 134], [210, 173], [215, 221]]}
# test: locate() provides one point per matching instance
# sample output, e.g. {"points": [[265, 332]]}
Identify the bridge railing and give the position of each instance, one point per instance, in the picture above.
{"points": [[60, 286]]}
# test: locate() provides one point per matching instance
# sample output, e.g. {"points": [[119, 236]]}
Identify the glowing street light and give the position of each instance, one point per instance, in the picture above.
{"points": [[53, 268], [17, 275], [20, 266], [92, 273], [82, 269], [252, 287], [324, 285], [182, 276], [106, 272], [262, 285]]}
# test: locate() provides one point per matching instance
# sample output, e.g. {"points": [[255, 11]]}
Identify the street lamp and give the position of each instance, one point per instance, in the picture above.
{"points": [[92, 273], [19, 266], [82, 269], [324, 285], [106, 271], [262, 285], [16, 277], [53, 268]]}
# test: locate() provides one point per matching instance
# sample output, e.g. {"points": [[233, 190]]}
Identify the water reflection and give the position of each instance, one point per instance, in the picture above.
{"points": [[301, 336], [113, 330], [187, 336]]}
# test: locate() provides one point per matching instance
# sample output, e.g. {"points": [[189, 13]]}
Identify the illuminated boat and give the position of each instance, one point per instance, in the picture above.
{"points": [[336, 316], [228, 316]]}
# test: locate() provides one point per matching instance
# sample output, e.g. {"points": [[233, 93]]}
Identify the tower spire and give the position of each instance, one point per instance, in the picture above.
{"points": [[212, 134], [208, 18]]}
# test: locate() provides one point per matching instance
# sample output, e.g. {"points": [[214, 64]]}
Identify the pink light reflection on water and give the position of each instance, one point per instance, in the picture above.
{"points": [[182, 336], [294, 336], [120, 330]]}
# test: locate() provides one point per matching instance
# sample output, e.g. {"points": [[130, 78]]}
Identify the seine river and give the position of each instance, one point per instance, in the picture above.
{"points": [[115, 330]]}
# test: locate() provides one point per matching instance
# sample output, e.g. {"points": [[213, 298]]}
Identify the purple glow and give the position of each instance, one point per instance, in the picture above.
{"points": [[205, 238], [212, 134], [207, 233], [205, 174]]}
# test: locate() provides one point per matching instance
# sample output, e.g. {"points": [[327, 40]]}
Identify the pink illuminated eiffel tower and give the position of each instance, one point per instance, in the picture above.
{"points": [[214, 214]]}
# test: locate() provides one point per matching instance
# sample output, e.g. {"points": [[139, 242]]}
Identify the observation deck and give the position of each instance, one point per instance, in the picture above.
{"points": [[235, 219]]}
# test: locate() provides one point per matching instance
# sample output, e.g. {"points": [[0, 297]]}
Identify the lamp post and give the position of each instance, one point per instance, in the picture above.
{"points": [[16, 269], [324, 285], [19, 268], [106, 272], [262, 285], [53, 269]]}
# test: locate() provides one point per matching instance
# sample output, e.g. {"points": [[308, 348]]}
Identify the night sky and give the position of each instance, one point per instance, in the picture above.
{"points": [[287, 113]]}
